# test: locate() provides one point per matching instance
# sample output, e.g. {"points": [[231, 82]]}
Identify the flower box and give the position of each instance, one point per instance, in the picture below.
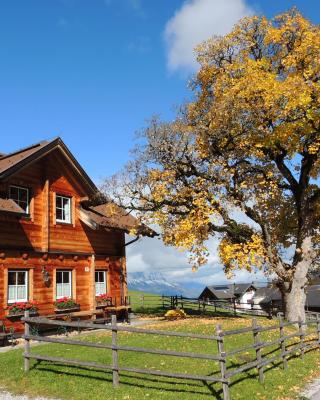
{"points": [[103, 305], [67, 310], [103, 300], [66, 304], [21, 315], [17, 310]]}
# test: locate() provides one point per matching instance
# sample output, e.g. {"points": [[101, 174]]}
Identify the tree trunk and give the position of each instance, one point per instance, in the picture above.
{"points": [[294, 303], [294, 294]]}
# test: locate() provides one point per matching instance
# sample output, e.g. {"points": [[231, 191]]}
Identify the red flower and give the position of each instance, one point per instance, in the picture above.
{"points": [[20, 307], [65, 302]]}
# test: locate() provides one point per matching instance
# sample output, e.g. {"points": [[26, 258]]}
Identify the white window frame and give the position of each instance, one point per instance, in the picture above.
{"points": [[16, 299], [99, 284], [18, 201], [63, 284], [64, 220]]}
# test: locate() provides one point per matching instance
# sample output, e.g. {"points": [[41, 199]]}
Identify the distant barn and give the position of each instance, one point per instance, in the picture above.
{"points": [[241, 293], [267, 296]]}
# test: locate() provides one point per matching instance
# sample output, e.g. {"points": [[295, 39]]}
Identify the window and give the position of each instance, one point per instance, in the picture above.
{"points": [[221, 288], [63, 209], [17, 286], [21, 196], [63, 282], [101, 282]]}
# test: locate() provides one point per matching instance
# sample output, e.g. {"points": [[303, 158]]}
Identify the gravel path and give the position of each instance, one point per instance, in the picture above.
{"points": [[312, 391], [9, 396]]}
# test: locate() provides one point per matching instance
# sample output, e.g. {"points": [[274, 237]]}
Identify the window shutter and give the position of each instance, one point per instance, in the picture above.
{"points": [[73, 211], [54, 208], [74, 284], [31, 204]]}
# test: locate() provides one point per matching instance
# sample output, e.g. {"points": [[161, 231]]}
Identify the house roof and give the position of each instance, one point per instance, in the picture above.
{"points": [[313, 296], [9, 206], [109, 215], [220, 293], [267, 294], [315, 278], [240, 288], [229, 291], [16, 161]]}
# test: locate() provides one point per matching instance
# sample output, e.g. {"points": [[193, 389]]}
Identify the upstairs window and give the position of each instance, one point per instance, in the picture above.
{"points": [[63, 282], [63, 209], [20, 195], [17, 286], [101, 282]]}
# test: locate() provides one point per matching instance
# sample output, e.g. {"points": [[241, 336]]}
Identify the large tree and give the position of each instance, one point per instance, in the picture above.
{"points": [[241, 161]]}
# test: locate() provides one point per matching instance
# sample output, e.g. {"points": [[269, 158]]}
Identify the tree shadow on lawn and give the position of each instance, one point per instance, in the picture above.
{"points": [[40, 366], [250, 374], [253, 373]]}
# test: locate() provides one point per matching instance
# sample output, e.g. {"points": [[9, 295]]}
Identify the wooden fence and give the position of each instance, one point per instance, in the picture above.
{"points": [[145, 303], [285, 348]]}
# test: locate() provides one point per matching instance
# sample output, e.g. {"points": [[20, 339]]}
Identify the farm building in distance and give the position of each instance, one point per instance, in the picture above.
{"points": [[241, 293], [57, 241], [267, 296]]}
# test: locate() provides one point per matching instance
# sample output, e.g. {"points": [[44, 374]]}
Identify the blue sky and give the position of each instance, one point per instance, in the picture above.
{"points": [[93, 71]]}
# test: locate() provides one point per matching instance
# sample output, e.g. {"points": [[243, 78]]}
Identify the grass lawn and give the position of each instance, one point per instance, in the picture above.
{"points": [[152, 304], [65, 382]]}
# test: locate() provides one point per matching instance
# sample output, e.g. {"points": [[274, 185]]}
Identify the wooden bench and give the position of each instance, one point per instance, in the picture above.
{"points": [[77, 314], [97, 315], [6, 335]]}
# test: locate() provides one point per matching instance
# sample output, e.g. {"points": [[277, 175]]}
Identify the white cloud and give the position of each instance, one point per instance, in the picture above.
{"points": [[151, 255], [196, 21]]}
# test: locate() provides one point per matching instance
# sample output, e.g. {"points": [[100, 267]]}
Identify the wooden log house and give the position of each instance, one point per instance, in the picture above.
{"points": [[55, 241]]}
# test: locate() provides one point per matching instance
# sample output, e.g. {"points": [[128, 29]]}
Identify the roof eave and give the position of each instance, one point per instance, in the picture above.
{"points": [[56, 143]]}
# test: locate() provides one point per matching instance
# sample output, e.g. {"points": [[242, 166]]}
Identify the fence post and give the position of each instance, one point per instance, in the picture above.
{"points": [[162, 302], [115, 365], [26, 343], [234, 306], [142, 301], [301, 335], [283, 343], [255, 332], [223, 363], [318, 328]]}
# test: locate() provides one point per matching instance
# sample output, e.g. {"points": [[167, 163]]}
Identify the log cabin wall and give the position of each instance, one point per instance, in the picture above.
{"points": [[37, 242]]}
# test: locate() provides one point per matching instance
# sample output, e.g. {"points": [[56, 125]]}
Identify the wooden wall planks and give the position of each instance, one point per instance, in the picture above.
{"points": [[41, 233]]}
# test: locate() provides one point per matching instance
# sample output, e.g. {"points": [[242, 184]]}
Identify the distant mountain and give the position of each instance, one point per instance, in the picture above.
{"points": [[155, 282]]}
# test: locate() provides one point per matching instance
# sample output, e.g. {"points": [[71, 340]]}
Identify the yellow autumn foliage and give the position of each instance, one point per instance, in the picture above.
{"points": [[241, 160]]}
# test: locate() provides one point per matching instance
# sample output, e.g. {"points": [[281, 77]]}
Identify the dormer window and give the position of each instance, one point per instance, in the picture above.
{"points": [[63, 209], [20, 195]]}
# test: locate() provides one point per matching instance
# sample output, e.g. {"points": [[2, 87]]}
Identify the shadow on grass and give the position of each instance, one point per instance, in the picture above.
{"points": [[43, 366], [151, 383], [253, 373]]}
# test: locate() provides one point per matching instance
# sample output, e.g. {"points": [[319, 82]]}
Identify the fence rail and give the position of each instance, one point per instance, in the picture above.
{"points": [[145, 303], [285, 348]]}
